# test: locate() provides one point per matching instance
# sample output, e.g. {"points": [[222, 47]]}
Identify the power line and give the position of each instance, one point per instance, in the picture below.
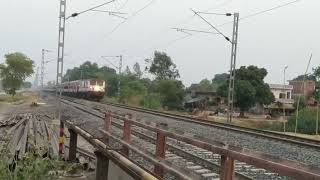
{"points": [[228, 39], [133, 15], [193, 30], [90, 9], [271, 9], [141, 9], [123, 5], [211, 13], [112, 12], [250, 15]]}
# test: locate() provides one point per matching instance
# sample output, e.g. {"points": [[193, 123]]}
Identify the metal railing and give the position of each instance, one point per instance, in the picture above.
{"points": [[228, 153]]}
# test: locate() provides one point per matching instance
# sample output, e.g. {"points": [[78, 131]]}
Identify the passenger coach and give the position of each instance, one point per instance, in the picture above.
{"points": [[90, 88]]}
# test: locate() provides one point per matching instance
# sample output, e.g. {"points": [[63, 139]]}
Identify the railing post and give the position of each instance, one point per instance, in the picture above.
{"points": [[160, 151], [73, 146], [107, 123], [126, 134], [227, 168], [102, 168]]}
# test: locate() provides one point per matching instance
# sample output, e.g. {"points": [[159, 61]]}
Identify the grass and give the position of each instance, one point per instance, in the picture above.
{"points": [[109, 99], [11, 99]]}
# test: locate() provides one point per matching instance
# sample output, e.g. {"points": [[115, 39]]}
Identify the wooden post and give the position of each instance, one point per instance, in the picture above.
{"points": [[160, 152], [227, 168], [107, 124], [102, 168], [73, 146], [126, 135]]}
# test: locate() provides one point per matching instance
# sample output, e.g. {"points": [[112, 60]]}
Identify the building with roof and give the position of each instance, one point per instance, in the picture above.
{"points": [[305, 88], [282, 93]]}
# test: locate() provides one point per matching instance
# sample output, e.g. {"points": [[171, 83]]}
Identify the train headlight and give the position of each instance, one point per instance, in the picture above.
{"points": [[96, 88]]}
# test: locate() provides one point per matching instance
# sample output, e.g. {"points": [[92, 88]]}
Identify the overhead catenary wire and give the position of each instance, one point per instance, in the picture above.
{"points": [[227, 38], [243, 18], [90, 9], [193, 30], [113, 12], [123, 5], [130, 17]]}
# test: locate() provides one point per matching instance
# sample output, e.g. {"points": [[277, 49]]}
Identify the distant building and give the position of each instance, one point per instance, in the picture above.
{"points": [[305, 89], [200, 99], [282, 93], [283, 99], [210, 95]]}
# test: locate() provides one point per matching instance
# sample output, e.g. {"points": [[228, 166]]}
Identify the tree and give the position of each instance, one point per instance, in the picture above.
{"points": [[171, 93], [245, 96], [127, 71], [204, 85], [26, 85], [163, 67], [132, 89], [308, 77], [14, 71], [316, 74], [137, 71], [249, 88], [219, 79]]}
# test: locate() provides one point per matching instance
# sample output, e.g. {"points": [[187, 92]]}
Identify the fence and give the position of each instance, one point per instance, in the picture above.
{"points": [[228, 153]]}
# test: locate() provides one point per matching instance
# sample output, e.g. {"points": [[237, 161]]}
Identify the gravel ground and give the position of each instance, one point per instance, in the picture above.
{"points": [[280, 149], [289, 151]]}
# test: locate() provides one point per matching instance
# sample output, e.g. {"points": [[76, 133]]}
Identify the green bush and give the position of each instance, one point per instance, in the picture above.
{"points": [[152, 101], [306, 121], [10, 99]]}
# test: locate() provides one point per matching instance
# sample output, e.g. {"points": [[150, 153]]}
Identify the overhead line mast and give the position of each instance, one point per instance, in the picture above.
{"points": [[62, 23], [43, 65], [234, 43]]}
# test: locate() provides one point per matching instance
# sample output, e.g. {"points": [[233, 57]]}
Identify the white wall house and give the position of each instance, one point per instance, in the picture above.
{"points": [[282, 93]]}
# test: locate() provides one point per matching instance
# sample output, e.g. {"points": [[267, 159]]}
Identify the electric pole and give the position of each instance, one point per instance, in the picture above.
{"points": [[233, 66], [119, 81], [36, 79], [119, 68], [62, 22], [43, 66], [285, 95]]}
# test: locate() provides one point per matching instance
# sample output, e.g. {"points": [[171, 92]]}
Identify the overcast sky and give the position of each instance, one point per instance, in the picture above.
{"points": [[285, 36]]}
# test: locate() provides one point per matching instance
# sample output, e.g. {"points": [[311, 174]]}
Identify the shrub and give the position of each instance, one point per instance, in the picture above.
{"points": [[152, 101], [306, 121]]}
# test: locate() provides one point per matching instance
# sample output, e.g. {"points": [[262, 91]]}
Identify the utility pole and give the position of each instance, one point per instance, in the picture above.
{"points": [[119, 81], [285, 95], [233, 66], [43, 66], [36, 79], [62, 22], [119, 68]]}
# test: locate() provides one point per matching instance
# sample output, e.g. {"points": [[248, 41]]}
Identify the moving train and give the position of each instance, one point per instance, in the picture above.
{"points": [[93, 89]]}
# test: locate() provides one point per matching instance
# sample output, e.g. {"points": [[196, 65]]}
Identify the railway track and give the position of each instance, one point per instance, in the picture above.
{"points": [[196, 160], [250, 131]]}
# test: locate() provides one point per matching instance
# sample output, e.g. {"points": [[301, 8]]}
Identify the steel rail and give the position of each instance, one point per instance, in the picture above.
{"points": [[244, 130], [152, 140]]}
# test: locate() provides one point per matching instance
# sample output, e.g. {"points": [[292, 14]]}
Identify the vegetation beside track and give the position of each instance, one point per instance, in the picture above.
{"points": [[33, 165], [10, 99], [306, 122]]}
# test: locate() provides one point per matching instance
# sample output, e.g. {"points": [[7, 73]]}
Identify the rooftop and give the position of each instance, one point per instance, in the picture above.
{"points": [[280, 86]]}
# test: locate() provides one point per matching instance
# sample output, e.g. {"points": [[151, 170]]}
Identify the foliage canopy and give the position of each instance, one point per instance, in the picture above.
{"points": [[163, 67], [14, 71], [249, 88]]}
